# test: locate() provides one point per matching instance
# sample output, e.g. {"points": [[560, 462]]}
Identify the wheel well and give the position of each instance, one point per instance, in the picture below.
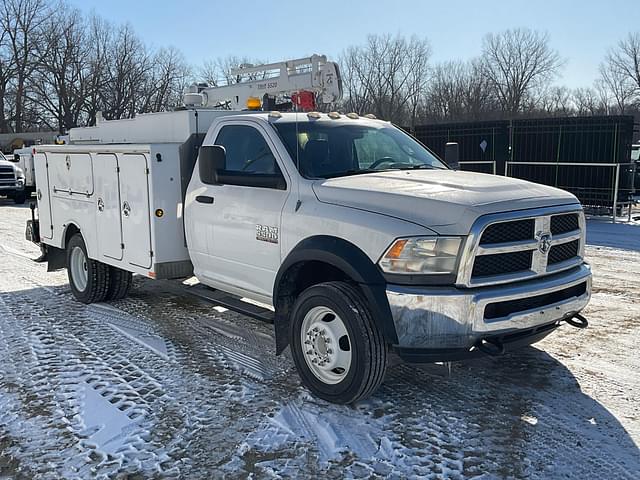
{"points": [[71, 230], [297, 278], [303, 275]]}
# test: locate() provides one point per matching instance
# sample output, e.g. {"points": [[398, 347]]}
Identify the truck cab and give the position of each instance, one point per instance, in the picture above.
{"points": [[325, 215]]}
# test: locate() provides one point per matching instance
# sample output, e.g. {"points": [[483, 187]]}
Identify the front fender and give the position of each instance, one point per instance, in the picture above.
{"points": [[349, 259]]}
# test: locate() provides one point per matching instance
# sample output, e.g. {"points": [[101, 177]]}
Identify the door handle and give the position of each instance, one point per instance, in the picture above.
{"points": [[204, 199]]}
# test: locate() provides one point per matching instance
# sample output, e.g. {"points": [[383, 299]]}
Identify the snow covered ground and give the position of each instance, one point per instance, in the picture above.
{"points": [[163, 385]]}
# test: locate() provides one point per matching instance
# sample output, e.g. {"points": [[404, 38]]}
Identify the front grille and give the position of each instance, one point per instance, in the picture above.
{"points": [[510, 307], [564, 223], [563, 252], [503, 232], [7, 175], [502, 263], [509, 250]]}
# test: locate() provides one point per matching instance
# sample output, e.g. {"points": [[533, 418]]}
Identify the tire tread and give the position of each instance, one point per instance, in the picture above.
{"points": [[119, 283], [373, 343]]}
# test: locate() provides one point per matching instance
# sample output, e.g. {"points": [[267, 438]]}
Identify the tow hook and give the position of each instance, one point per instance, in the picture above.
{"points": [[490, 346], [577, 321]]}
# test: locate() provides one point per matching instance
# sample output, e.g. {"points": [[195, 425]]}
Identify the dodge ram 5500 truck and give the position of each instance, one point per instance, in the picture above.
{"points": [[360, 239]]}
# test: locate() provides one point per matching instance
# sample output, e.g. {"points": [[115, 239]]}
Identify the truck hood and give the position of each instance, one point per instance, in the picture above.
{"points": [[445, 201]]}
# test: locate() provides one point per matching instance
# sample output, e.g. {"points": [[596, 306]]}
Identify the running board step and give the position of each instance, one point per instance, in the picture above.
{"points": [[232, 302]]}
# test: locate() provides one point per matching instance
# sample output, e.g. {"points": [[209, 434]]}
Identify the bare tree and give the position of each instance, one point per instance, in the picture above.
{"points": [[625, 59], [59, 84], [387, 76], [557, 100], [166, 80], [590, 101], [218, 72], [517, 62], [129, 63], [7, 70], [21, 20], [458, 91], [619, 85], [620, 72]]}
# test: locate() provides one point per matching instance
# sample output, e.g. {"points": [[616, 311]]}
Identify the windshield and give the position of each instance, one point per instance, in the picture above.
{"points": [[327, 150]]}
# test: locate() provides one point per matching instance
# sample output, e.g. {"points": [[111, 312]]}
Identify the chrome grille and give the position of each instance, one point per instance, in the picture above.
{"points": [[516, 246], [564, 223], [509, 232], [564, 252], [488, 265], [7, 176]]}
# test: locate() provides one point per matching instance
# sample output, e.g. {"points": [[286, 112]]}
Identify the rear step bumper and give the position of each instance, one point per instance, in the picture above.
{"points": [[449, 322]]}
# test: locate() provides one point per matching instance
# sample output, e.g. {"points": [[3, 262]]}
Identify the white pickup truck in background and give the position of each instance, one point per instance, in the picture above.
{"points": [[357, 238], [12, 180]]}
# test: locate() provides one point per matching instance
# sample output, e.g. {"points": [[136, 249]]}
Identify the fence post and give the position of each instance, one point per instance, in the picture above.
{"points": [[494, 167], [506, 167], [633, 181], [615, 193]]}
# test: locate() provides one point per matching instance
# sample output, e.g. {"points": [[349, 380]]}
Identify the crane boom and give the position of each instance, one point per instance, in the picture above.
{"points": [[311, 74]]}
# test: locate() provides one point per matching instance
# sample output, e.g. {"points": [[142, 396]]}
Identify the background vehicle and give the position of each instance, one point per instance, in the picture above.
{"points": [[357, 238], [12, 180], [23, 157]]}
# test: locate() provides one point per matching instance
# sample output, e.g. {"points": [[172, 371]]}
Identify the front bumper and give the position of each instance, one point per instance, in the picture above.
{"points": [[444, 323], [15, 187]]}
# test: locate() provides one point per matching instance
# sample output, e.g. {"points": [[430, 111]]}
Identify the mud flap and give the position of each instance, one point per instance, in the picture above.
{"points": [[56, 258]]}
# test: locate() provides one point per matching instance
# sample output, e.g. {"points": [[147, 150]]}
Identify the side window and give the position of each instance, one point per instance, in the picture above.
{"points": [[247, 150]]}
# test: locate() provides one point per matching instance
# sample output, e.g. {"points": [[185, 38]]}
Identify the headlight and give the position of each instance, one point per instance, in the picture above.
{"points": [[19, 173], [422, 255]]}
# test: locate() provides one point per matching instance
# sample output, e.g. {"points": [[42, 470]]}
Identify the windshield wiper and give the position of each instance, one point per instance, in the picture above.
{"points": [[346, 173], [423, 166]]}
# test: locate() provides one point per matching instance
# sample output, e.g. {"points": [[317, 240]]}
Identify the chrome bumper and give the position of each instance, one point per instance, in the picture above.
{"points": [[454, 318], [15, 187]]}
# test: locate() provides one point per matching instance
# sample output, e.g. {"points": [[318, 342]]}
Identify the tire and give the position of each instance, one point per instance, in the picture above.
{"points": [[20, 197], [119, 283], [92, 285], [316, 318]]}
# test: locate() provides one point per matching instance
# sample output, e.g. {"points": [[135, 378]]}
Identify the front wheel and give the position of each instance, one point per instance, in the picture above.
{"points": [[88, 279], [339, 352]]}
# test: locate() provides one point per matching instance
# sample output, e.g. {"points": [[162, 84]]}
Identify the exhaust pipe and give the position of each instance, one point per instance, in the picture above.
{"points": [[490, 346], [577, 321]]}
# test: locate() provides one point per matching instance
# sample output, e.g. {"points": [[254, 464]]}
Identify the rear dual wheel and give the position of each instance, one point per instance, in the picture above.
{"points": [[93, 281], [339, 352]]}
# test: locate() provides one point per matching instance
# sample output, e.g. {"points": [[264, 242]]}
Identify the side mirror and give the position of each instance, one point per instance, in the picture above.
{"points": [[452, 155], [211, 159], [16, 157]]}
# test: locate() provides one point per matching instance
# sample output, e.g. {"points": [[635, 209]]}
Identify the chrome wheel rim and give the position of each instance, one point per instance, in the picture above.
{"points": [[326, 345], [78, 266]]}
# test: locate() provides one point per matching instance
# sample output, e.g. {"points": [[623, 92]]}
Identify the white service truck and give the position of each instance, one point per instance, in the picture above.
{"points": [[359, 240], [12, 180], [23, 158]]}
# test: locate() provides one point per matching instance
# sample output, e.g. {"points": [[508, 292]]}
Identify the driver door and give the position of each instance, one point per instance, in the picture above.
{"points": [[244, 221]]}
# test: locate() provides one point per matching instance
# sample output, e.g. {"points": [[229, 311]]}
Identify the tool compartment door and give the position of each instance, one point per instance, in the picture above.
{"points": [[44, 196], [108, 220], [134, 209]]}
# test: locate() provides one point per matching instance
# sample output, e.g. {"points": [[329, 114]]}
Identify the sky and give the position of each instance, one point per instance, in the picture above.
{"points": [[581, 31]]}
